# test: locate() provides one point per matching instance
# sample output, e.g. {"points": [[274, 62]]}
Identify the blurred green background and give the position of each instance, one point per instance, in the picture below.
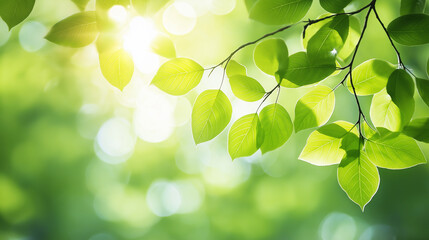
{"points": [[81, 160]]}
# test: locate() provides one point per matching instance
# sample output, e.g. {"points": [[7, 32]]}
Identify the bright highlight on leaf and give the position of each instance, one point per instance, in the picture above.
{"points": [[324, 146], [14, 12], [393, 150], [210, 115], [117, 67], [371, 76], [314, 108], [385, 113], [178, 76], [76, 31], [245, 136], [246, 88], [277, 126], [163, 46]]}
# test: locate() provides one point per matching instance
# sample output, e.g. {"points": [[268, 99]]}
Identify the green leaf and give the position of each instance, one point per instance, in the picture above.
{"points": [[314, 108], [301, 72], [358, 177], [76, 31], [278, 12], [178, 76], [412, 6], [249, 4], [324, 147], [271, 56], [352, 38], [107, 42], [427, 67], [163, 46], [277, 126], [400, 87], [371, 76], [423, 87], [410, 29], [246, 88], [385, 113], [117, 67], [324, 45], [148, 7], [235, 68], [393, 150], [334, 6], [314, 28], [81, 4], [418, 129], [210, 115], [14, 12], [245, 136]]}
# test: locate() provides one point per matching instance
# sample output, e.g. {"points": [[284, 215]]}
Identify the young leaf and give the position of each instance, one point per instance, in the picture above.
{"points": [[352, 38], [358, 177], [412, 6], [235, 68], [271, 56], [324, 45], [81, 4], [117, 67], [76, 31], [393, 150], [385, 113], [163, 46], [400, 87], [370, 76], [423, 87], [324, 147], [314, 28], [410, 29], [178, 76], [418, 129], [278, 12], [314, 108], [277, 126], [245, 136], [210, 115], [334, 6], [301, 72], [14, 12], [246, 88]]}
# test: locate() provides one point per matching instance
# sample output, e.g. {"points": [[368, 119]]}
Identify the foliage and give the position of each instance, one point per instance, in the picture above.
{"points": [[387, 139]]}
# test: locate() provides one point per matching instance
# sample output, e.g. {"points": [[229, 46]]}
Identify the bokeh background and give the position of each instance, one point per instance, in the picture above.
{"points": [[82, 160]]}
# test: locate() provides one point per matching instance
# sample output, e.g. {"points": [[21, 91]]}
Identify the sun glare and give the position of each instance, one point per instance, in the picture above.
{"points": [[118, 14]]}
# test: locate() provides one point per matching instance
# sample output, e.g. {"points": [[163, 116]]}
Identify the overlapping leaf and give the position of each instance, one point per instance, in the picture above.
{"points": [[246, 88], [271, 56]]}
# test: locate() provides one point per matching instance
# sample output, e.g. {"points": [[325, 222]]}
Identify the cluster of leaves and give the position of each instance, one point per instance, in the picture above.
{"points": [[331, 42]]}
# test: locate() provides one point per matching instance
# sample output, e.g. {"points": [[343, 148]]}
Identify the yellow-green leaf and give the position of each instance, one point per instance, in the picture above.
{"points": [[117, 67], [277, 126], [246, 88], [245, 136]]}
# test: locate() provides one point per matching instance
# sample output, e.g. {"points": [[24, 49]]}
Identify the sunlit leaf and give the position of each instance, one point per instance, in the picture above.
{"points": [[117, 67], [301, 72], [371, 76], [108, 42], [210, 115], [385, 113], [412, 6], [277, 12], [393, 150], [323, 146], [81, 4], [352, 38], [324, 46], [400, 87], [14, 12], [235, 68], [178, 76], [245, 136], [358, 177], [277, 126], [418, 129], [334, 6], [163, 46], [271, 56], [410, 29], [423, 88], [246, 88], [148, 7], [78, 30], [314, 108], [314, 28]]}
